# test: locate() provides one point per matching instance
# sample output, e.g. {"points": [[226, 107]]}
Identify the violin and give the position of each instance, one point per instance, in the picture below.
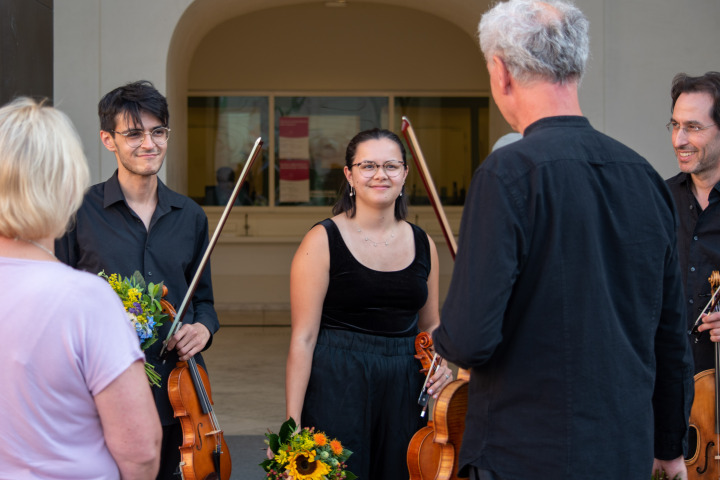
{"points": [[437, 459], [204, 455], [703, 459], [423, 455]]}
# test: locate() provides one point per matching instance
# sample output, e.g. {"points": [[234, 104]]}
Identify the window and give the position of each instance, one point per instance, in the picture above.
{"points": [[304, 152]]}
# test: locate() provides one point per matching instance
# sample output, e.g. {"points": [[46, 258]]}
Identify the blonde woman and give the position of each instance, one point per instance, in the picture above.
{"points": [[75, 396]]}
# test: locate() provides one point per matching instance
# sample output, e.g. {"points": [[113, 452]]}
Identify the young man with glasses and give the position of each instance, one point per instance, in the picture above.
{"points": [[133, 222], [696, 190]]}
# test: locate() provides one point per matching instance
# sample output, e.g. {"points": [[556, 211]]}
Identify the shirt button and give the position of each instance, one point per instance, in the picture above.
{"points": [[691, 301], [695, 237], [149, 274], [692, 269]]}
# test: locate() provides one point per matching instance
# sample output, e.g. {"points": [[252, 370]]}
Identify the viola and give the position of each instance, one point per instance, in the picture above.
{"points": [[703, 460], [437, 460], [204, 455]]}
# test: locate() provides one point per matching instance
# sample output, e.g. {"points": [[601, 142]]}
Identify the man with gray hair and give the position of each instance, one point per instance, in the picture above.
{"points": [[566, 299]]}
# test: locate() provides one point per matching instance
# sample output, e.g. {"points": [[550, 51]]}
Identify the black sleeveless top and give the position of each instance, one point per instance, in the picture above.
{"points": [[368, 301]]}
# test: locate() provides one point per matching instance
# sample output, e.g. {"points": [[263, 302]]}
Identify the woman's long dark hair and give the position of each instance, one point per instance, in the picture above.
{"points": [[345, 203]]}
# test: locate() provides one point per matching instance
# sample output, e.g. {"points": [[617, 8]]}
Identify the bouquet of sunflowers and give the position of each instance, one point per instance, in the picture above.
{"points": [[304, 454], [142, 304]]}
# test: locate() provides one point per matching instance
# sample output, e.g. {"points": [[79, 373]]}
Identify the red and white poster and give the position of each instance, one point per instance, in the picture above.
{"points": [[294, 159]]}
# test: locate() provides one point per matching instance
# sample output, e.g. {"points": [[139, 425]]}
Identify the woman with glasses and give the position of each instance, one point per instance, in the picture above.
{"points": [[362, 285], [75, 399]]}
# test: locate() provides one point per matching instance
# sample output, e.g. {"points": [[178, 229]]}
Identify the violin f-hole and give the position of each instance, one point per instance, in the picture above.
{"points": [[707, 457], [199, 436]]}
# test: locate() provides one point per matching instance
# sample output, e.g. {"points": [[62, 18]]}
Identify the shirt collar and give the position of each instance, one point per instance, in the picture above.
{"points": [[686, 180], [167, 199], [559, 121]]}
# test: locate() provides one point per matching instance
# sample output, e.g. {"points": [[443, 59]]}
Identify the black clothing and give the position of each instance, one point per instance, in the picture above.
{"points": [[384, 303], [363, 390], [365, 380], [109, 236], [699, 251], [566, 303]]}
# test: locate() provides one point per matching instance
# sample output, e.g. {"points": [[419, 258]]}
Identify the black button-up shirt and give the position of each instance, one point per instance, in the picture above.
{"points": [[566, 304], [699, 249], [109, 236]]}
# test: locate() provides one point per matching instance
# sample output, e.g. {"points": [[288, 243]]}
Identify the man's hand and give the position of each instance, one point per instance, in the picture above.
{"points": [[674, 469], [712, 323], [189, 340]]}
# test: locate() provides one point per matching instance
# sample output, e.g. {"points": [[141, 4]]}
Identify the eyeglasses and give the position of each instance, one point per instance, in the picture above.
{"points": [[135, 138], [368, 169], [691, 129]]}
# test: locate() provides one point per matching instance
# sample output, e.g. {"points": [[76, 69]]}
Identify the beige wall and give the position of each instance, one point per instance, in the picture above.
{"points": [[636, 48]]}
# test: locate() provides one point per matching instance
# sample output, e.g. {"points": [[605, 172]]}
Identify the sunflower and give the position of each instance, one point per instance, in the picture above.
{"points": [[303, 466]]}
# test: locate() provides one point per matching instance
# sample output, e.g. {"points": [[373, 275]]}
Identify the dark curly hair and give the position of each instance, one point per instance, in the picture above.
{"points": [[708, 83]]}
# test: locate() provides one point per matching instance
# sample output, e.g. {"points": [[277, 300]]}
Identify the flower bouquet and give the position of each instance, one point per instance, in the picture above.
{"points": [[142, 304], [304, 454]]}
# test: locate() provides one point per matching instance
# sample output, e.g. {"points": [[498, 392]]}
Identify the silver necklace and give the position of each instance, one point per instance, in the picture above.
{"points": [[41, 247], [373, 243]]}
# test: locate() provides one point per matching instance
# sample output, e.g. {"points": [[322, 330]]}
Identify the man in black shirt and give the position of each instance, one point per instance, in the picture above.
{"points": [[694, 126], [566, 296], [133, 222]]}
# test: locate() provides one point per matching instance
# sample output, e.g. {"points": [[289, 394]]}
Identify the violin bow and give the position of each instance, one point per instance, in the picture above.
{"points": [[213, 241], [416, 153]]}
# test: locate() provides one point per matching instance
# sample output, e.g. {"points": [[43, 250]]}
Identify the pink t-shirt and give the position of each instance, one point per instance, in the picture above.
{"points": [[65, 338]]}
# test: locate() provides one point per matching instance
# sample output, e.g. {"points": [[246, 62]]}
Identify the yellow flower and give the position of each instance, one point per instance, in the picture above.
{"points": [[320, 439], [337, 447], [304, 466], [282, 457]]}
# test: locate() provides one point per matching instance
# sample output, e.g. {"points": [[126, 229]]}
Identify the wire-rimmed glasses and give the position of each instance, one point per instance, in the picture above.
{"points": [[136, 137], [689, 129], [392, 168]]}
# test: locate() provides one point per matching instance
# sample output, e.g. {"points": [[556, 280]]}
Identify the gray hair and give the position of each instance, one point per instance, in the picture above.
{"points": [[538, 40], [43, 171]]}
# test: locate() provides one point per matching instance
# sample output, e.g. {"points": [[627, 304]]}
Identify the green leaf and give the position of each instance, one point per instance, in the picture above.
{"points": [[287, 429], [344, 455], [138, 280], [266, 464], [273, 442], [350, 475]]}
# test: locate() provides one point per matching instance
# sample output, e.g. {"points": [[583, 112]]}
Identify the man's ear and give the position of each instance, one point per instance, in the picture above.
{"points": [[108, 140], [502, 74]]}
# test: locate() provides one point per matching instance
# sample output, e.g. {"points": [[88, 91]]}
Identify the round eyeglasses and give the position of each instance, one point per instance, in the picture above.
{"points": [[392, 168], [690, 129], [135, 138]]}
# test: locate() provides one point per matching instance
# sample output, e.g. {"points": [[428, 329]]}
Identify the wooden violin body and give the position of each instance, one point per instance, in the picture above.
{"points": [[204, 455], [703, 451], [434, 449], [703, 461]]}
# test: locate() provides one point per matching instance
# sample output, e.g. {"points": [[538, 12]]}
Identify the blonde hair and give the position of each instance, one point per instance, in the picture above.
{"points": [[43, 170]]}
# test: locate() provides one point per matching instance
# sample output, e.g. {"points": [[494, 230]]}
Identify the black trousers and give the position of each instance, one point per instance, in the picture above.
{"points": [[477, 474], [363, 390], [170, 452]]}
